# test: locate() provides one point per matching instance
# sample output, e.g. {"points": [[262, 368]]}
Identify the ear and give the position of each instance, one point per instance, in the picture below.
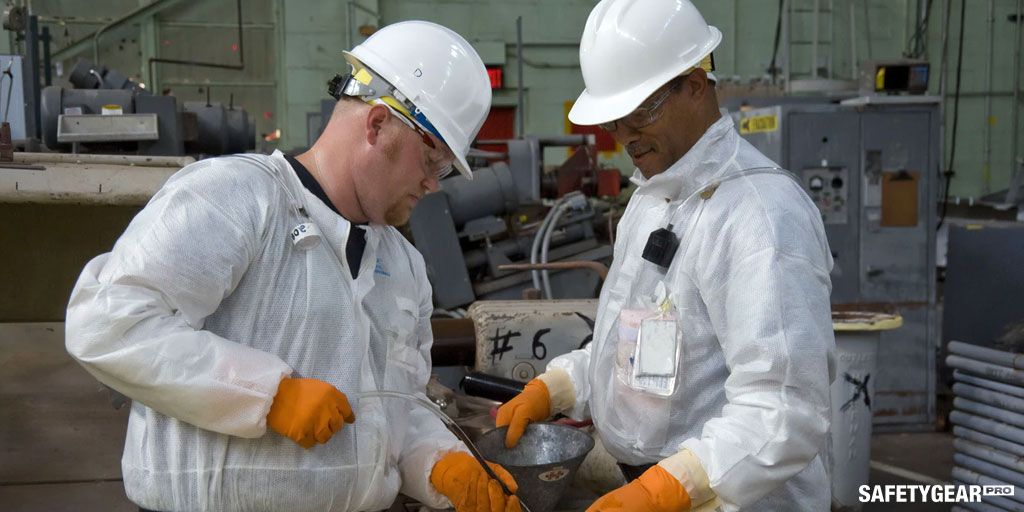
{"points": [[697, 83], [376, 118]]}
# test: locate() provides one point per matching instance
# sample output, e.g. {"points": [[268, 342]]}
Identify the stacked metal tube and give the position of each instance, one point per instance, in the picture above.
{"points": [[988, 422]]}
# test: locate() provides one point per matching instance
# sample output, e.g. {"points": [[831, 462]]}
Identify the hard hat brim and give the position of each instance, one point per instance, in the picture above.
{"points": [[591, 110]]}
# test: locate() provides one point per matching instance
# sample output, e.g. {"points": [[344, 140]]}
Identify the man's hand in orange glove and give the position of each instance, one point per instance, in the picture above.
{"points": [[655, 491], [532, 405], [308, 411], [465, 483]]}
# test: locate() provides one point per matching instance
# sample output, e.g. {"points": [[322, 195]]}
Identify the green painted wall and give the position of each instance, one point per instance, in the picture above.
{"points": [[294, 46]]}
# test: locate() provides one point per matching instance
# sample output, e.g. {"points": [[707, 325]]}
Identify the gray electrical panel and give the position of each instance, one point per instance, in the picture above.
{"points": [[872, 171]]}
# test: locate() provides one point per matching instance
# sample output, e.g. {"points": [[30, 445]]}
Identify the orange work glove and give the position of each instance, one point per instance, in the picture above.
{"points": [[655, 491], [532, 405], [465, 483], [308, 411]]}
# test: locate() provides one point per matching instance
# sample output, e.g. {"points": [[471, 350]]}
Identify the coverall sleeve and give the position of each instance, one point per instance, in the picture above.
{"points": [[577, 365], [766, 286], [135, 317], [426, 438]]}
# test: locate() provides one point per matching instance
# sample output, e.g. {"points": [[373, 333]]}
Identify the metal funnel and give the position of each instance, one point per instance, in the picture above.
{"points": [[543, 463]]}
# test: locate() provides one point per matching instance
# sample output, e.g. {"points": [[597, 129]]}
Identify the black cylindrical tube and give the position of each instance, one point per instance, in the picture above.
{"points": [[491, 387]]}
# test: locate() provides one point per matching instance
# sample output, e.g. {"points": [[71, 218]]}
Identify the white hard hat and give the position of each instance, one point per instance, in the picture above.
{"points": [[630, 48], [439, 73]]}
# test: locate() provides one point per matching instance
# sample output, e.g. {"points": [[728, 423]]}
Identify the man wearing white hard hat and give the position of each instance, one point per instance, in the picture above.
{"points": [[708, 375], [251, 306]]}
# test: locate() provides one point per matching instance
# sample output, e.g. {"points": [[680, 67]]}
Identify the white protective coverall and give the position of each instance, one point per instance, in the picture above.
{"points": [[202, 307], [750, 286]]}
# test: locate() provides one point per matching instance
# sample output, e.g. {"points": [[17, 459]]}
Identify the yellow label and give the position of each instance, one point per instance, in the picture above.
{"points": [[758, 124], [880, 78], [363, 76]]}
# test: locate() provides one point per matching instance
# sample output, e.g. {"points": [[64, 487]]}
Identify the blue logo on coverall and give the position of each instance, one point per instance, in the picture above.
{"points": [[379, 269]]}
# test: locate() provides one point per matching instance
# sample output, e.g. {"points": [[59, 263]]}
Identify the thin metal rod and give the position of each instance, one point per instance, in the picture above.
{"points": [[520, 117], [853, 41], [867, 27], [787, 20], [1014, 143], [143, 11], [47, 71], [452, 426], [814, 41], [986, 164], [238, 67]]}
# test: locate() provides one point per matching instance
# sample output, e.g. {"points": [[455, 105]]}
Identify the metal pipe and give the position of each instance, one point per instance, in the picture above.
{"points": [[986, 165], [814, 41], [988, 411], [987, 355], [546, 245], [1014, 449], [974, 478], [921, 39], [987, 426], [867, 27], [944, 62], [142, 12], [989, 397], [975, 507], [32, 65], [990, 371], [238, 67], [350, 8], [520, 114], [786, 22], [990, 503], [988, 469], [600, 268], [1014, 143], [853, 41], [47, 69], [989, 454]]}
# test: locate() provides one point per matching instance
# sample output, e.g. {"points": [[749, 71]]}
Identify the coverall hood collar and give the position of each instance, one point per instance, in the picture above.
{"points": [[703, 163]]}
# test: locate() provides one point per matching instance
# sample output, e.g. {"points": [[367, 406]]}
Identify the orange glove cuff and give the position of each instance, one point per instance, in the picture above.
{"points": [[667, 493]]}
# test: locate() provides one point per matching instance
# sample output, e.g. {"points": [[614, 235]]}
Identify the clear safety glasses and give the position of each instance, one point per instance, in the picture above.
{"points": [[648, 112]]}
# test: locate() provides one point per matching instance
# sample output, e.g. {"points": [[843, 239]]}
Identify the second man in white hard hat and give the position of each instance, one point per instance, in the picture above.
{"points": [[252, 304], [709, 371]]}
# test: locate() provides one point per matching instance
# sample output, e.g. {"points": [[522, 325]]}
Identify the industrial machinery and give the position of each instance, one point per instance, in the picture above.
{"points": [[871, 165], [108, 113], [472, 231]]}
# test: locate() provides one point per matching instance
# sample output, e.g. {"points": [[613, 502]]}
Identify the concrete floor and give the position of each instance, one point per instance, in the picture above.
{"points": [[61, 440]]}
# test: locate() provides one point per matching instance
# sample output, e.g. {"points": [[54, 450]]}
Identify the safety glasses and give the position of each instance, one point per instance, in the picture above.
{"points": [[648, 112], [371, 88], [439, 158]]}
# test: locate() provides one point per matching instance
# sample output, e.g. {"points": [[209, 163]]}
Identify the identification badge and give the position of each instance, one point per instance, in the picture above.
{"points": [[657, 348]]}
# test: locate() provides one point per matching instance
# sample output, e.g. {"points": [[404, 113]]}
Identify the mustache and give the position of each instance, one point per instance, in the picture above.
{"points": [[634, 149]]}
